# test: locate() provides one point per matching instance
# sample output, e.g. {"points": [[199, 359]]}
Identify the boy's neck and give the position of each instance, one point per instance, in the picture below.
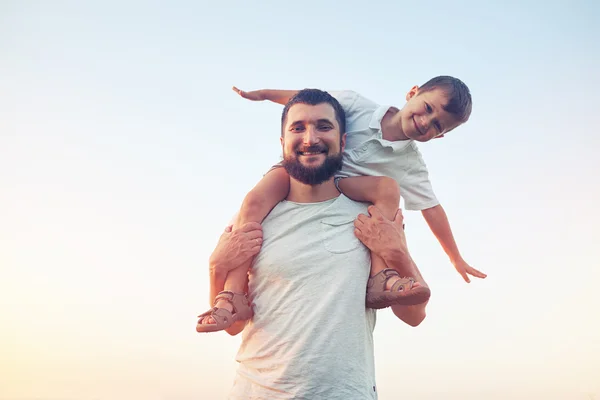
{"points": [[303, 193], [391, 127]]}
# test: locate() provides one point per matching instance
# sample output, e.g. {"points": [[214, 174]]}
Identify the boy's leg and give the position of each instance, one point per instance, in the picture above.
{"points": [[383, 192], [257, 204]]}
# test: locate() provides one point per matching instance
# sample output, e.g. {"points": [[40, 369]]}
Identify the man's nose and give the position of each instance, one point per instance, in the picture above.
{"points": [[310, 136]]}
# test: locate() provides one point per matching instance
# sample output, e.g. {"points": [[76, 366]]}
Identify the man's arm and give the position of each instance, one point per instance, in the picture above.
{"points": [[386, 238], [440, 226], [233, 249], [274, 95]]}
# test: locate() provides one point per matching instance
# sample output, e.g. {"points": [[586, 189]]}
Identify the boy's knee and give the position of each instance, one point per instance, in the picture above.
{"points": [[254, 200]]}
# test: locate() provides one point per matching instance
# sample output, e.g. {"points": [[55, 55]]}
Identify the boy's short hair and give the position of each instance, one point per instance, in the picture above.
{"points": [[315, 97], [459, 96]]}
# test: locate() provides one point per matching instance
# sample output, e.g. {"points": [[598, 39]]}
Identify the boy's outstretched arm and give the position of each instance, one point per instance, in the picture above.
{"points": [[440, 226], [274, 95]]}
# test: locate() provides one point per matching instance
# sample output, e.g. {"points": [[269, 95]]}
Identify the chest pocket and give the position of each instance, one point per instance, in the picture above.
{"points": [[338, 235]]}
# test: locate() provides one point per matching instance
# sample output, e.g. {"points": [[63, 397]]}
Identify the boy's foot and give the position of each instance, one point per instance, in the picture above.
{"points": [[229, 308], [387, 288]]}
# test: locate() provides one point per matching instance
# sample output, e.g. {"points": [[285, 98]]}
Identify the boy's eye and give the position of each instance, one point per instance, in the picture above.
{"points": [[324, 128], [428, 107]]}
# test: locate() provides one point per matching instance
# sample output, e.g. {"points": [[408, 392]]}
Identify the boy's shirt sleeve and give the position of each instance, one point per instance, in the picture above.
{"points": [[416, 188], [349, 100]]}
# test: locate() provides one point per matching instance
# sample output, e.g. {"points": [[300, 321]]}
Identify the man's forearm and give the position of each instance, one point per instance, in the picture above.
{"points": [[440, 226], [277, 96]]}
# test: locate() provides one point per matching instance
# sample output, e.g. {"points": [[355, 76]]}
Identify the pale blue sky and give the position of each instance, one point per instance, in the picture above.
{"points": [[123, 154]]}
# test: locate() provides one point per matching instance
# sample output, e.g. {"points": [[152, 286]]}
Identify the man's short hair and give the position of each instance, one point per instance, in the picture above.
{"points": [[459, 97], [315, 97]]}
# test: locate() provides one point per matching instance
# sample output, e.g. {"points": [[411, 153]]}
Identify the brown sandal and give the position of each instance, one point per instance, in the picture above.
{"points": [[401, 292], [223, 318]]}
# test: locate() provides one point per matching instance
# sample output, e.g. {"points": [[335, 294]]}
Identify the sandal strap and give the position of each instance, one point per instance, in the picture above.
{"points": [[238, 301], [402, 284], [379, 280]]}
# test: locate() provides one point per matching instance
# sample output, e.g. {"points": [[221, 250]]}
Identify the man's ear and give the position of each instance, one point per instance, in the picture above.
{"points": [[343, 142], [412, 92]]}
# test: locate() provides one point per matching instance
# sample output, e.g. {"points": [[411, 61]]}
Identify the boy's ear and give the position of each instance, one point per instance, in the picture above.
{"points": [[439, 136], [412, 92]]}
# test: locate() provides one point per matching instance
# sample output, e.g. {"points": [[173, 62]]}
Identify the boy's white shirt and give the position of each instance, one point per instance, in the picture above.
{"points": [[368, 154]]}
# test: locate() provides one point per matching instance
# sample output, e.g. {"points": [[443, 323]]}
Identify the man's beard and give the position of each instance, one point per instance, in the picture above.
{"points": [[312, 175]]}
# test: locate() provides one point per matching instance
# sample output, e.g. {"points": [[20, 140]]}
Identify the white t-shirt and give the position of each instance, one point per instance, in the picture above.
{"points": [[311, 336], [367, 153]]}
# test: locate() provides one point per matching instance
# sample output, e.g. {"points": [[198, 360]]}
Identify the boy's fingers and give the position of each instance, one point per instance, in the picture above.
{"points": [[238, 91], [228, 229], [477, 274]]}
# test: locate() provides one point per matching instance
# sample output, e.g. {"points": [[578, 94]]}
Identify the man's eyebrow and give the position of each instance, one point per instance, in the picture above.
{"points": [[319, 121], [325, 120]]}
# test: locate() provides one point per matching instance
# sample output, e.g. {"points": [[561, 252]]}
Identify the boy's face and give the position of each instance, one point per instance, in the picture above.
{"points": [[423, 117]]}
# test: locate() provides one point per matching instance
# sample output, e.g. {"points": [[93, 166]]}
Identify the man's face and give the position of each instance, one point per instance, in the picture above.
{"points": [[424, 117], [312, 143]]}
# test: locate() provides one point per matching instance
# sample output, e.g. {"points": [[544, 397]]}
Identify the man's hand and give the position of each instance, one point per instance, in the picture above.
{"points": [[255, 95], [236, 247], [383, 237], [465, 270]]}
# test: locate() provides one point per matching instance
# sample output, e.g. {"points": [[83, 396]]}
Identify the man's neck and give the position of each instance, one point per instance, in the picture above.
{"points": [[391, 128], [303, 193]]}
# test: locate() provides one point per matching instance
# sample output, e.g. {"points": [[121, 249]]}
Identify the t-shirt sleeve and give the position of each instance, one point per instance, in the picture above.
{"points": [[416, 188], [348, 99]]}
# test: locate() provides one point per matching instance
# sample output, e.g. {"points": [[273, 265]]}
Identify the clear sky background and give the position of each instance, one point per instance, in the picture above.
{"points": [[124, 152]]}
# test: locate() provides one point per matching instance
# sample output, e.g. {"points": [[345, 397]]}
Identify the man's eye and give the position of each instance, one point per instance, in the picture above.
{"points": [[324, 128], [297, 129]]}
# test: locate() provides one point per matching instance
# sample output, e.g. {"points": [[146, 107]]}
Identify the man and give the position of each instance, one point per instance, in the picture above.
{"points": [[311, 336]]}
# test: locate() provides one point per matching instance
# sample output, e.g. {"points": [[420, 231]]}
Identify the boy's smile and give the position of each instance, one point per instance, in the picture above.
{"points": [[423, 117]]}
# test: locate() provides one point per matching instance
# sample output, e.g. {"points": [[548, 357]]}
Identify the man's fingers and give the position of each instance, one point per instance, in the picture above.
{"points": [[255, 234], [374, 212], [250, 226], [238, 91], [399, 219], [358, 223]]}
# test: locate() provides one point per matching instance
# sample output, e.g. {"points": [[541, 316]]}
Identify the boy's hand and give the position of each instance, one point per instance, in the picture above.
{"points": [[255, 95], [465, 270]]}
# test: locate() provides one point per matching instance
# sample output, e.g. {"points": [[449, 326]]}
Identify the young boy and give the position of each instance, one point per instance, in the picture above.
{"points": [[381, 162]]}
